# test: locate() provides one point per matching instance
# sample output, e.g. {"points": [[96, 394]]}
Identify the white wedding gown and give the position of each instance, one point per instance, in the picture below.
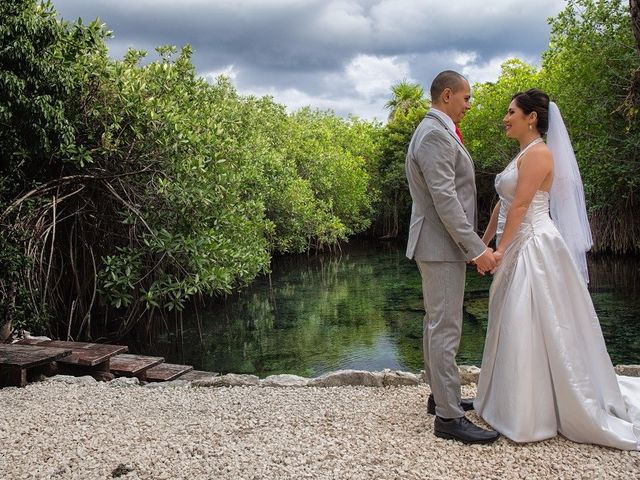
{"points": [[545, 368]]}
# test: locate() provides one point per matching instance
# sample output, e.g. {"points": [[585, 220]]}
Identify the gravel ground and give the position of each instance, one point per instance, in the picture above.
{"points": [[59, 431]]}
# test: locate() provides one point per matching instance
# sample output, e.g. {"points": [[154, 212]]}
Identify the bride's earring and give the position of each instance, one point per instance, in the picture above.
{"points": [[530, 127]]}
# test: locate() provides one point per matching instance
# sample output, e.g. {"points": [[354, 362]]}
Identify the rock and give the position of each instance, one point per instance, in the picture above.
{"points": [[36, 377], [628, 370], [32, 337], [71, 380], [121, 470], [235, 380], [228, 380], [350, 378], [284, 380], [468, 374], [208, 382], [171, 384], [197, 375], [398, 378], [124, 382]]}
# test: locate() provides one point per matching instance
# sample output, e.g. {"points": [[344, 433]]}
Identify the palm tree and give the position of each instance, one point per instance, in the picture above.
{"points": [[406, 96]]}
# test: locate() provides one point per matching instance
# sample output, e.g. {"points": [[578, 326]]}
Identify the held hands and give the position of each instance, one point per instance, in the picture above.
{"points": [[488, 261]]}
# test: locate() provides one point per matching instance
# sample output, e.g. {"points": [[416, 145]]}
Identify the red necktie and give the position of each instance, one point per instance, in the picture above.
{"points": [[459, 133]]}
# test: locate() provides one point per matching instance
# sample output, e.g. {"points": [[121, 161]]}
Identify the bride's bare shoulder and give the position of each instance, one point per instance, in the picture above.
{"points": [[539, 154]]}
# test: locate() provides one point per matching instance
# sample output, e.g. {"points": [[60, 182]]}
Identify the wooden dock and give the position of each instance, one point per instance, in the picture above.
{"points": [[32, 357]]}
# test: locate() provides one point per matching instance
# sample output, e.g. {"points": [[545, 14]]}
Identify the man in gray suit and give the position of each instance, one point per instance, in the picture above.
{"points": [[442, 239]]}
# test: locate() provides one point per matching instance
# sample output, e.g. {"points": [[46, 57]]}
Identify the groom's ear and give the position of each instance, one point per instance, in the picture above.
{"points": [[446, 95]]}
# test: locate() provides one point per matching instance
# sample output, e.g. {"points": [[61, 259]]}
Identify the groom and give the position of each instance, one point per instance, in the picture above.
{"points": [[442, 239]]}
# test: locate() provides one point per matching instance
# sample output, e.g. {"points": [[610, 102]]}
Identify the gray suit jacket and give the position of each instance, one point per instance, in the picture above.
{"points": [[442, 183]]}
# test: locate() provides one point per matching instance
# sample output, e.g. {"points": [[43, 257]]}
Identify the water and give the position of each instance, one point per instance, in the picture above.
{"points": [[362, 309]]}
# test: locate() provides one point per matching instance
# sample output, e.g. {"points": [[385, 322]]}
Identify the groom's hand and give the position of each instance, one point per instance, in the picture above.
{"points": [[486, 262]]}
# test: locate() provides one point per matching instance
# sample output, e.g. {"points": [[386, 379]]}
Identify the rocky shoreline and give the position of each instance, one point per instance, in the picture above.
{"points": [[340, 378]]}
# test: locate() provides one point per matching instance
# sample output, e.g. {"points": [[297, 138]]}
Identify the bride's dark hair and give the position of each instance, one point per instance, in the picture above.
{"points": [[535, 100]]}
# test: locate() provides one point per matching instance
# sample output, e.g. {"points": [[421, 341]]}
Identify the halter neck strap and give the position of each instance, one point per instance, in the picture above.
{"points": [[529, 145]]}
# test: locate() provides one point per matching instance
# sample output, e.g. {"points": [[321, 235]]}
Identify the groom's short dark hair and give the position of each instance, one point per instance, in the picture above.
{"points": [[446, 79]]}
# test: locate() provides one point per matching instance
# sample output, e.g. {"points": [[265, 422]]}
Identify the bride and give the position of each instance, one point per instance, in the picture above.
{"points": [[545, 368]]}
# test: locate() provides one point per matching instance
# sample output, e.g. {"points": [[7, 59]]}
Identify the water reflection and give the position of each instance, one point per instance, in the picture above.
{"points": [[363, 309]]}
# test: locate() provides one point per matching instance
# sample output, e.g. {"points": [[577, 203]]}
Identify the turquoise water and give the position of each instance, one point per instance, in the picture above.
{"points": [[362, 309]]}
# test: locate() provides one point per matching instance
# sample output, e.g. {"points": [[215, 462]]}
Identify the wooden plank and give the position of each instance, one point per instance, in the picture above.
{"points": [[166, 372], [13, 377], [197, 375], [26, 356], [16, 359], [127, 365], [83, 353]]}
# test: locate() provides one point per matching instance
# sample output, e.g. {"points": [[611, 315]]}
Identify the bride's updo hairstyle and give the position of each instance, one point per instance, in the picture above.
{"points": [[535, 100]]}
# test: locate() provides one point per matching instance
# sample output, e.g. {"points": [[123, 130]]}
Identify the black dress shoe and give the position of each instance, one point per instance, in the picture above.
{"points": [[465, 403], [462, 430]]}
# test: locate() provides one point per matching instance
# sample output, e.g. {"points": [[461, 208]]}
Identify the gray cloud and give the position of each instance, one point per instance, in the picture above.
{"points": [[338, 52]]}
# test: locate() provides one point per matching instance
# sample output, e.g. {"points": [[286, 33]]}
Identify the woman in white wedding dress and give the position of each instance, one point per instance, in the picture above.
{"points": [[545, 368]]}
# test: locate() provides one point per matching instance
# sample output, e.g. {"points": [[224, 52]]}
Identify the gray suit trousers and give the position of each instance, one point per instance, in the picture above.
{"points": [[443, 293]]}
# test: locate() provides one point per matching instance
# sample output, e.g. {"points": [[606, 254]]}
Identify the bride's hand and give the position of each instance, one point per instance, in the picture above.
{"points": [[485, 262], [498, 256]]}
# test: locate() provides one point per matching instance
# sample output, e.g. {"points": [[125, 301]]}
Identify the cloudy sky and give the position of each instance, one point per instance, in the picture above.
{"points": [[342, 55]]}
